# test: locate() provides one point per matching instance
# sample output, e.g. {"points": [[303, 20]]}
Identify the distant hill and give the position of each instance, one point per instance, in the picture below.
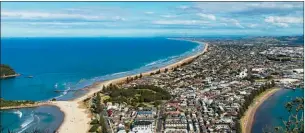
{"points": [[292, 40], [6, 71]]}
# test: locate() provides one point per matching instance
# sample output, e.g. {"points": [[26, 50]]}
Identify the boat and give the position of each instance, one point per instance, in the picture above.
{"points": [[30, 77]]}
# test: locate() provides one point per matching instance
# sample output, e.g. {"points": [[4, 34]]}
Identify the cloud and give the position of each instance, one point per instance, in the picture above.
{"points": [[252, 25], [56, 16], [183, 7], [168, 16], [276, 5], [179, 22], [284, 25], [118, 18], [283, 19], [149, 12], [249, 8], [209, 16], [47, 15], [232, 21]]}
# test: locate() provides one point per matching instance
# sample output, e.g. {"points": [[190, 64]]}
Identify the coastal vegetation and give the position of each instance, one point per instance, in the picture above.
{"points": [[139, 95], [279, 58], [6, 71], [15, 103], [98, 124]]}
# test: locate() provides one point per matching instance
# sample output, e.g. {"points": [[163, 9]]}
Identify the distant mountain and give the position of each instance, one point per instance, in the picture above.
{"points": [[291, 40]]}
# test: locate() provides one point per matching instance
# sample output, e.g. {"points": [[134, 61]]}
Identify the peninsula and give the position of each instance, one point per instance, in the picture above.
{"points": [[7, 72]]}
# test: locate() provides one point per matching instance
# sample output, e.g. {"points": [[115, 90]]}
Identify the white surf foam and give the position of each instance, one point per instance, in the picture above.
{"points": [[27, 123], [18, 112], [118, 73]]}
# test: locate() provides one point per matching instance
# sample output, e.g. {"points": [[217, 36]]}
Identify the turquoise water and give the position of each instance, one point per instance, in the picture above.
{"points": [[46, 118], [269, 113], [74, 63]]}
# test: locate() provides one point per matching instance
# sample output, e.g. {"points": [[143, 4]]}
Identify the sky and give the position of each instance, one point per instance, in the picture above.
{"points": [[144, 19]]}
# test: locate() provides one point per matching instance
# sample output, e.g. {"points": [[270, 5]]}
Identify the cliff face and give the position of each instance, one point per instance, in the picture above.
{"points": [[6, 71]]}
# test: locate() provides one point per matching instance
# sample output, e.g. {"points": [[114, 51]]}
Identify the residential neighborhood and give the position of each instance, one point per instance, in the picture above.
{"points": [[209, 94]]}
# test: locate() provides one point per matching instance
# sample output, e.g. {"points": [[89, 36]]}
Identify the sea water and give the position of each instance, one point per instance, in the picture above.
{"points": [[50, 64], [269, 114], [45, 118]]}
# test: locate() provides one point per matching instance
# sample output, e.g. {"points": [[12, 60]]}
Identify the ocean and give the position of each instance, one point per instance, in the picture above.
{"points": [[269, 113], [74, 63], [45, 118]]}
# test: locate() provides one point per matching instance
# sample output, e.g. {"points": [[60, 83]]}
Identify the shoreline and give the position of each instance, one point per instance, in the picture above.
{"points": [[25, 106], [248, 118], [77, 119], [10, 76], [98, 85]]}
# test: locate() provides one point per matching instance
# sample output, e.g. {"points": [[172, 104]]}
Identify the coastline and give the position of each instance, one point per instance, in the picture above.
{"points": [[10, 76], [26, 106], [248, 118], [77, 119]]}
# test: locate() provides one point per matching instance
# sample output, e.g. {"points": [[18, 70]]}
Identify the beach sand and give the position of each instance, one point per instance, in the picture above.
{"points": [[248, 118], [77, 120]]}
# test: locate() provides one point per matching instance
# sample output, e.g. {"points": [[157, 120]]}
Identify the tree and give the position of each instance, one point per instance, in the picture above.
{"points": [[272, 83], [157, 103], [238, 128], [269, 77], [141, 75], [159, 71], [103, 124]]}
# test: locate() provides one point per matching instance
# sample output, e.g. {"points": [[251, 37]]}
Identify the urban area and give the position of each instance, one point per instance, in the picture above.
{"points": [[209, 94]]}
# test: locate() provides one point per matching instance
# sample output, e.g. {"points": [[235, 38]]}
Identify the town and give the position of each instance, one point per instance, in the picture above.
{"points": [[207, 95]]}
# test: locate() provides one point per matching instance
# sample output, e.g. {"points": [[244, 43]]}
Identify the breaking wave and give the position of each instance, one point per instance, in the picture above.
{"points": [[18, 112]]}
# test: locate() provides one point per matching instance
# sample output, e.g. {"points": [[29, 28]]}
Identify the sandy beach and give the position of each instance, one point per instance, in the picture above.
{"points": [[248, 118], [77, 119]]}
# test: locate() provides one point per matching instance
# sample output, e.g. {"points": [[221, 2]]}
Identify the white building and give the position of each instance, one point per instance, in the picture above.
{"points": [[143, 127], [243, 74]]}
